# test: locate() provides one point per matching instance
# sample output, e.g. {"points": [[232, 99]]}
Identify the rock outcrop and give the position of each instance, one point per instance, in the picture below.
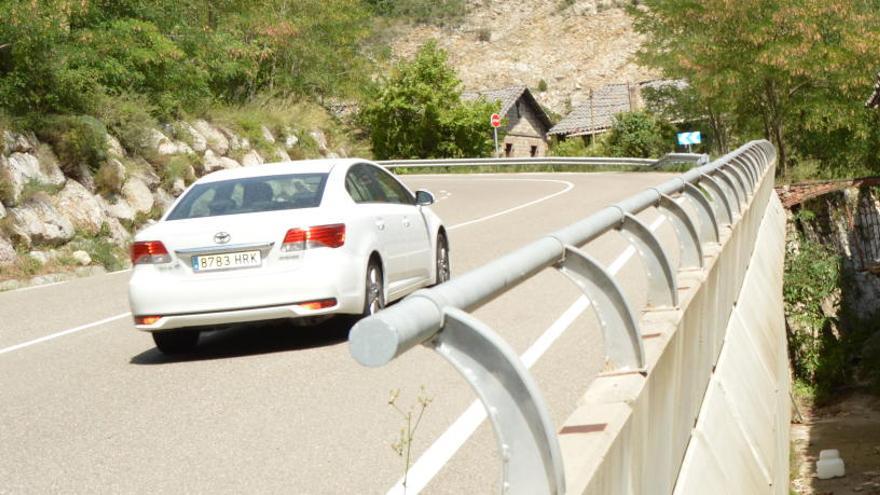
{"points": [[138, 195], [214, 139], [80, 208], [37, 222], [42, 209], [251, 158], [7, 251], [190, 134]]}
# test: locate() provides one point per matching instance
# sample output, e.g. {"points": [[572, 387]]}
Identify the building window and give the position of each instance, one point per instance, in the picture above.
{"points": [[508, 149], [533, 151]]}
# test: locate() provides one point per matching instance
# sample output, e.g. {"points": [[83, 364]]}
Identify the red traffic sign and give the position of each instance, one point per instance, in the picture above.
{"points": [[496, 120]]}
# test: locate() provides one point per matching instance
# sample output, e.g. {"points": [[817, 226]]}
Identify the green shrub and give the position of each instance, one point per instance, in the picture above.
{"points": [[100, 249], [28, 265], [575, 146], [129, 119], [564, 4], [76, 139], [811, 279], [34, 188], [418, 112], [6, 190], [437, 12], [542, 85], [178, 167], [639, 134], [107, 254], [106, 179]]}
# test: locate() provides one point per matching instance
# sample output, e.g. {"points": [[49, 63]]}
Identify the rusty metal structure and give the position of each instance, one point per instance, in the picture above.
{"points": [[795, 194]]}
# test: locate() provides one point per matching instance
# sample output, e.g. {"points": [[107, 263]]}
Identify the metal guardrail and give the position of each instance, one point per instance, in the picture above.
{"points": [[439, 317], [549, 160]]}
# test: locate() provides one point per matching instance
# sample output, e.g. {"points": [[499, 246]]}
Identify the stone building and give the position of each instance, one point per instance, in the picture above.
{"points": [[596, 114], [525, 132]]}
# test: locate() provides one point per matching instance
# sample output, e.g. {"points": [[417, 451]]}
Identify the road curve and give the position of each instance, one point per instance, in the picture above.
{"points": [[96, 409]]}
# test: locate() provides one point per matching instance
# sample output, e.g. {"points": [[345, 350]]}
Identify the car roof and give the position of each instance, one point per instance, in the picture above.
{"points": [[321, 166]]}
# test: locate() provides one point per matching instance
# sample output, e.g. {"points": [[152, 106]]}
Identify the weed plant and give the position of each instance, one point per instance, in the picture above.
{"points": [[412, 418]]}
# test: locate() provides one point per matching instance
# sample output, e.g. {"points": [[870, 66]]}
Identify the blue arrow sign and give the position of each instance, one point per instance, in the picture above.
{"points": [[686, 138]]}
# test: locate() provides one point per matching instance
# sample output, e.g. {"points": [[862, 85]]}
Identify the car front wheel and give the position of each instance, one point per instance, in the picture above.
{"points": [[177, 341]]}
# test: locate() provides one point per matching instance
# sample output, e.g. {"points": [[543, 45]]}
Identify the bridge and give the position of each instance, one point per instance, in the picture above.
{"points": [[579, 348]]}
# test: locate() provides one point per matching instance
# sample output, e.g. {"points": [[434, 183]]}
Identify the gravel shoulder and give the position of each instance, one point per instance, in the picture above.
{"points": [[850, 425]]}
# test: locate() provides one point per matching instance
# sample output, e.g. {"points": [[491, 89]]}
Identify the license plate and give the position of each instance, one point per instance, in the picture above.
{"points": [[226, 261]]}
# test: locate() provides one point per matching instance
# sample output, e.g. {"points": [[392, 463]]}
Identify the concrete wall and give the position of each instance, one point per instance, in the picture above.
{"points": [[711, 414]]}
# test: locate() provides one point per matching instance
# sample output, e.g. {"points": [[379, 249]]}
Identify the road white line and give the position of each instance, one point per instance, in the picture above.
{"points": [[63, 333], [60, 282], [450, 441], [568, 187]]}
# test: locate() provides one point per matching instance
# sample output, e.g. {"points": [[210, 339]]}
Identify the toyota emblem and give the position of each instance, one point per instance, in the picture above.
{"points": [[222, 237]]}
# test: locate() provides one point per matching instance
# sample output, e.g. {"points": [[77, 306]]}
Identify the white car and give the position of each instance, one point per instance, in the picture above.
{"points": [[285, 240]]}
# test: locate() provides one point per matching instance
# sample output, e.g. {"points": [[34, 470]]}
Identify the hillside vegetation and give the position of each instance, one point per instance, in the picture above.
{"points": [[71, 56]]}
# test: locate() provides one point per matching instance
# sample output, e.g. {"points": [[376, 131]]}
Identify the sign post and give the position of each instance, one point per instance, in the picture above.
{"points": [[495, 120], [689, 138]]}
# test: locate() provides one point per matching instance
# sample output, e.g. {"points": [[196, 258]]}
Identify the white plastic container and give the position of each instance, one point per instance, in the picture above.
{"points": [[830, 465]]}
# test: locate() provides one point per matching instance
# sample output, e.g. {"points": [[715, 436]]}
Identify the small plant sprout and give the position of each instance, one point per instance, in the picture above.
{"points": [[412, 417]]}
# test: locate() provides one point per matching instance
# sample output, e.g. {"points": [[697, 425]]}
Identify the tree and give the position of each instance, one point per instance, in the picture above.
{"points": [[638, 134], [778, 67], [65, 56], [418, 112], [681, 104]]}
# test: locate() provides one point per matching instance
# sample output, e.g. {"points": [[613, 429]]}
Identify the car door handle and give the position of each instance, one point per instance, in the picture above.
{"points": [[406, 222], [380, 224]]}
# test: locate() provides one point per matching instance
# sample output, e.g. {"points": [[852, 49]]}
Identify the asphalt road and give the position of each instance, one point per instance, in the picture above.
{"points": [[286, 409]]}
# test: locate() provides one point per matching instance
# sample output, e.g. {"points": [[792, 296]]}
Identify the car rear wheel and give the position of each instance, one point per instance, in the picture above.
{"points": [[374, 290], [177, 341], [443, 266]]}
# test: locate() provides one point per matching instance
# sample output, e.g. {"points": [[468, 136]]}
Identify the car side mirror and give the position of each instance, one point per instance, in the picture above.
{"points": [[424, 198]]}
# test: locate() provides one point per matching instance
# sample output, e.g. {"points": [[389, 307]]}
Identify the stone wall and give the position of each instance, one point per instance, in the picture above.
{"points": [[524, 131], [42, 210], [849, 221]]}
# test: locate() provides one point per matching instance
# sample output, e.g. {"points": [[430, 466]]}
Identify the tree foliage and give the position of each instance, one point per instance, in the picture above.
{"points": [[639, 134], [418, 112], [795, 72], [438, 12], [63, 56]]}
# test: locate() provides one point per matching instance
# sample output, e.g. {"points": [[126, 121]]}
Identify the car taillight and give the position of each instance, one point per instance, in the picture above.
{"points": [[146, 320], [148, 252], [319, 304], [332, 236]]}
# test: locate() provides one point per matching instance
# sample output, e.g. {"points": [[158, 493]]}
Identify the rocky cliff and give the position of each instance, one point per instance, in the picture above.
{"points": [[572, 45], [52, 223]]}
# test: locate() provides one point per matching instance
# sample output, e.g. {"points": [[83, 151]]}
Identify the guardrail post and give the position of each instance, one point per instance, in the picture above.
{"points": [[745, 166], [527, 441], [691, 250], [721, 198], [662, 287], [620, 328], [740, 179], [438, 317], [708, 223], [751, 157], [728, 182]]}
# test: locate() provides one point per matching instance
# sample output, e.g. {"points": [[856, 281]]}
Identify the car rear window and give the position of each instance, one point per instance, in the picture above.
{"points": [[251, 194]]}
